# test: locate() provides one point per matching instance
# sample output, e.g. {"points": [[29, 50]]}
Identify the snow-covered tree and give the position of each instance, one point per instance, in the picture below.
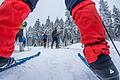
{"points": [[106, 16], [116, 24], [105, 13], [48, 28], [30, 36], [70, 30], [37, 31], [68, 33], [56, 24]]}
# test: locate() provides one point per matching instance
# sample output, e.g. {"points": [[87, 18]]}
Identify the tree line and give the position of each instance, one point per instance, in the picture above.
{"points": [[69, 32]]}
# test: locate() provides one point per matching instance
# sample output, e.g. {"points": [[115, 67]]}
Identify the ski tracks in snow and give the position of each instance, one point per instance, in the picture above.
{"points": [[52, 64]]}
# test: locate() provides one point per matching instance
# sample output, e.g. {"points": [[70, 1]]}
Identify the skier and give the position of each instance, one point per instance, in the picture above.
{"points": [[96, 49], [86, 18], [20, 36], [55, 35]]}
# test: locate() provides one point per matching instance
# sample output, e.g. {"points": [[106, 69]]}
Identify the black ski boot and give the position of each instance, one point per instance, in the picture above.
{"points": [[104, 68], [5, 62]]}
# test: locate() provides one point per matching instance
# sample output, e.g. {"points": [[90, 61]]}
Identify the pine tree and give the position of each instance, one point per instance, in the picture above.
{"points": [[56, 24], [106, 16], [48, 28], [116, 24], [70, 31], [30, 36], [61, 23], [37, 32]]}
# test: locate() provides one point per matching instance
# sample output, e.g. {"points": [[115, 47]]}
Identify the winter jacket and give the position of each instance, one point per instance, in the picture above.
{"points": [[44, 36], [54, 34], [23, 39]]}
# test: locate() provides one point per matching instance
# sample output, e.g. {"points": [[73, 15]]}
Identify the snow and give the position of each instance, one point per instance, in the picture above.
{"points": [[54, 64]]}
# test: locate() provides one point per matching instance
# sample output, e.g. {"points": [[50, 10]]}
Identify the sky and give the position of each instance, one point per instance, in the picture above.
{"points": [[54, 9]]}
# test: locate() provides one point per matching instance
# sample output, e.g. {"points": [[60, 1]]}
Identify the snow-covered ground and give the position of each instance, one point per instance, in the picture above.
{"points": [[54, 64]]}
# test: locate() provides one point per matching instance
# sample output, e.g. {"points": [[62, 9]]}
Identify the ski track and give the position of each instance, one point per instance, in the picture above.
{"points": [[53, 64]]}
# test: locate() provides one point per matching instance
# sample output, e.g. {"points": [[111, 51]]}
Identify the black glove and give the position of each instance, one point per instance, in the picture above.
{"points": [[70, 4], [31, 3]]}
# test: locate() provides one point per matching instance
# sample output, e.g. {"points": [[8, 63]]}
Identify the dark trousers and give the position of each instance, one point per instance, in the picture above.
{"points": [[45, 42], [55, 40], [19, 35]]}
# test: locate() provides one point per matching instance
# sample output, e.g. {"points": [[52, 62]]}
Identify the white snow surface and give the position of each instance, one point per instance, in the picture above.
{"points": [[54, 64]]}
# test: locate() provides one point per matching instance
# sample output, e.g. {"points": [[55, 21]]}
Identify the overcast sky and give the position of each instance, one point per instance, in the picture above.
{"points": [[55, 8]]}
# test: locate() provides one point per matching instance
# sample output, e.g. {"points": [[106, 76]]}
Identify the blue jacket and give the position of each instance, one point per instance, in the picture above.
{"points": [[23, 39], [70, 4]]}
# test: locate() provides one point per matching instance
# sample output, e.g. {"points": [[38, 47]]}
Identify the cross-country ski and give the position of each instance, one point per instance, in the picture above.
{"points": [[19, 62]]}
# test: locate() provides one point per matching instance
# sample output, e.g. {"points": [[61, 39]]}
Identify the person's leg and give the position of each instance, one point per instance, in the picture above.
{"points": [[12, 12], [93, 36], [24, 44], [57, 43], [16, 37], [20, 34], [45, 43], [92, 31], [53, 40]]}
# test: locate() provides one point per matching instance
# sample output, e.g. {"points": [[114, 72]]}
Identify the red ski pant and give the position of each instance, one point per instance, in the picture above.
{"points": [[91, 29], [12, 14]]}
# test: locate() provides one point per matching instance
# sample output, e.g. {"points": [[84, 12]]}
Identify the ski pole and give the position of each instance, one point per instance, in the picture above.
{"points": [[111, 40]]}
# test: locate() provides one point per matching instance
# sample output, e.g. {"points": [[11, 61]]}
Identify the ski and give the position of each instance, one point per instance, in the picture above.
{"points": [[86, 63], [20, 61]]}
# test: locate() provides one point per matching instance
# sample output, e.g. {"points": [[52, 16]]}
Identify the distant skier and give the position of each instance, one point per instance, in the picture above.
{"points": [[20, 36], [55, 37], [86, 17], [45, 39]]}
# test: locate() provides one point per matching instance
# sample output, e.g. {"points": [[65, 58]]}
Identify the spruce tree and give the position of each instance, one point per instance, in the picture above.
{"points": [[106, 17], [116, 24]]}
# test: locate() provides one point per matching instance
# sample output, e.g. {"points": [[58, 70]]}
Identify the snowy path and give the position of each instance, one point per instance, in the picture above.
{"points": [[53, 64]]}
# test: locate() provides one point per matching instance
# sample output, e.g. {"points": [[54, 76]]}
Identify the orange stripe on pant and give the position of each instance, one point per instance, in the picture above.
{"points": [[12, 14], [91, 28]]}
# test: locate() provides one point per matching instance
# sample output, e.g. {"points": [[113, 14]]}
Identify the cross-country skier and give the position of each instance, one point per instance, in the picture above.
{"points": [[55, 38], [20, 36], [86, 18]]}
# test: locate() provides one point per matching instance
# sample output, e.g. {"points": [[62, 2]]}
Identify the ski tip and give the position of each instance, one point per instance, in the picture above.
{"points": [[39, 53], [78, 54]]}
